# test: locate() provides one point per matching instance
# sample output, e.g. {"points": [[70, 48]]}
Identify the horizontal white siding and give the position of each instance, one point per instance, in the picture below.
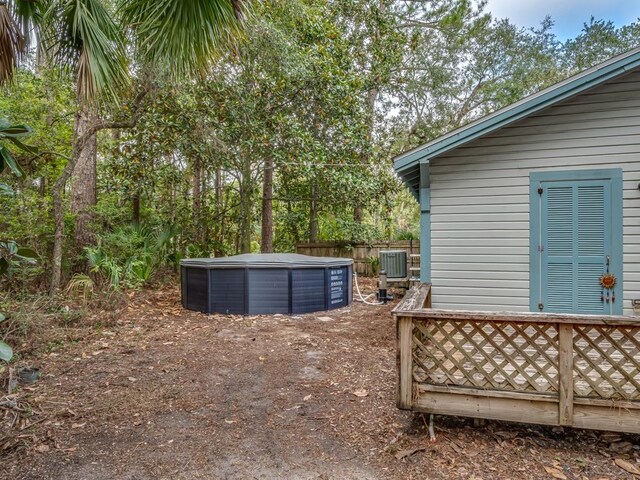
{"points": [[480, 195]]}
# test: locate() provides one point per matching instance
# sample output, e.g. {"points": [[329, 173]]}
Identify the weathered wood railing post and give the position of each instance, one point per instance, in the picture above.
{"points": [[404, 360], [565, 373]]}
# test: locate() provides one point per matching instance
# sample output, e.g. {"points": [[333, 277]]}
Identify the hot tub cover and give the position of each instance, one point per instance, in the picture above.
{"points": [[266, 260]]}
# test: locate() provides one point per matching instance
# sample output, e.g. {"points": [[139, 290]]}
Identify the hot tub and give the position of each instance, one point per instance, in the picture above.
{"points": [[266, 283]]}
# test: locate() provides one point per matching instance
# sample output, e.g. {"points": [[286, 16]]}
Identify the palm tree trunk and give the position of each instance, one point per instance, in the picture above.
{"points": [[83, 180]]}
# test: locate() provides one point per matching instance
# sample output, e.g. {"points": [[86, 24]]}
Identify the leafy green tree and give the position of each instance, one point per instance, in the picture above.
{"points": [[598, 41], [461, 70]]}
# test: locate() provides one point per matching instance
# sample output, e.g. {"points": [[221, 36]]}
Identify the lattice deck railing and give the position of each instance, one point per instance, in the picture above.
{"points": [[579, 370]]}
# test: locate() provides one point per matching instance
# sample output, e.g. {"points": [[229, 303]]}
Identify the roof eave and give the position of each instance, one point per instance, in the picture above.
{"points": [[515, 112]]}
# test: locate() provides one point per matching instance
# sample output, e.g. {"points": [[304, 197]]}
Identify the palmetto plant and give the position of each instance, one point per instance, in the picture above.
{"points": [[152, 251], [104, 266], [125, 258]]}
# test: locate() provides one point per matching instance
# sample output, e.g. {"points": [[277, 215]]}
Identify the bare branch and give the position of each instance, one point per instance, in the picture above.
{"points": [[111, 124]]}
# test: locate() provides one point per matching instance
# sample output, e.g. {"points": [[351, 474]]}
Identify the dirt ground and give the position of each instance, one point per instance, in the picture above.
{"points": [[165, 393]]}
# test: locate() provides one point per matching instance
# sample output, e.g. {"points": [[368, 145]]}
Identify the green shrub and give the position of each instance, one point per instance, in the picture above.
{"points": [[127, 257]]}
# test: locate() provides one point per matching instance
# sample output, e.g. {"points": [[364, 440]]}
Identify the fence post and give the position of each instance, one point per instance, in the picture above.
{"points": [[565, 374], [404, 362]]}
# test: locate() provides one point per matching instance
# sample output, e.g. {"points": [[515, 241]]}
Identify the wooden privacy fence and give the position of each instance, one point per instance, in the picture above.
{"points": [[361, 253], [553, 369]]}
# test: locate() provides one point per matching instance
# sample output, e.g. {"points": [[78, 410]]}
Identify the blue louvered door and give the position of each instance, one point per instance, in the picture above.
{"points": [[576, 238]]}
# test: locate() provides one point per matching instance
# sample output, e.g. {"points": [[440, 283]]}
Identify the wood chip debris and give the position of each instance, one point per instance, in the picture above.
{"points": [[408, 452], [555, 473]]}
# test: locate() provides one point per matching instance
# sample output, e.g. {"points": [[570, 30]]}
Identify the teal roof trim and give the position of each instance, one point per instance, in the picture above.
{"points": [[411, 179], [615, 67]]}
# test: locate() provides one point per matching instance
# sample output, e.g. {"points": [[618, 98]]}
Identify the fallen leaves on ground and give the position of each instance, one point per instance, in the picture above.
{"points": [[555, 473], [408, 452], [627, 466]]}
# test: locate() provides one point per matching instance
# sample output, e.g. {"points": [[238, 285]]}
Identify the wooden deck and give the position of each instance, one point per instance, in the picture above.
{"points": [[554, 369]]}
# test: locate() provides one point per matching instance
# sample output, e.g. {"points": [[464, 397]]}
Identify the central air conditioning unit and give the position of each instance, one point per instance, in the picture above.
{"points": [[394, 262]]}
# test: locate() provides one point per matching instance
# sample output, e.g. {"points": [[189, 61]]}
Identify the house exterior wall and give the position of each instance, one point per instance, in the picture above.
{"points": [[479, 195]]}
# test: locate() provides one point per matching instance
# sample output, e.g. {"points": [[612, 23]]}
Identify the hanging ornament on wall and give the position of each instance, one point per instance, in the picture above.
{"points": [[608, 282]]}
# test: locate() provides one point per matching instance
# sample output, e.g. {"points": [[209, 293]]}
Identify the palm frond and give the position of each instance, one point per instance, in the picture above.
{"points": [[138, 271], [89, 40], [183, 37], [81, 283], [11, 44], [163, 237], [27, 11], [28, 15]]}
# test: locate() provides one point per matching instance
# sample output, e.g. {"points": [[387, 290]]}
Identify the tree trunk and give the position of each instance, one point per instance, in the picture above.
{"points": [[358, 214], [245, 219], [135, 207], [206, 215], [58, 238], [58, 213], [313, 214], [173, 195], [372, 97], [83, 180], [42, 58], [197, 199], [246, 207], [291, 227], [267, 206], [358, 211], [219, 232]]}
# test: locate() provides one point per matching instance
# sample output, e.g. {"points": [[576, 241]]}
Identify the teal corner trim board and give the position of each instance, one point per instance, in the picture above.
{"points": [[538, 179], [425, 235]]}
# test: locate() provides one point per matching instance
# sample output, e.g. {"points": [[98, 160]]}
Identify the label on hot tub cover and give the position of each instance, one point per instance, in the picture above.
{"points": [[337, 282]]}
